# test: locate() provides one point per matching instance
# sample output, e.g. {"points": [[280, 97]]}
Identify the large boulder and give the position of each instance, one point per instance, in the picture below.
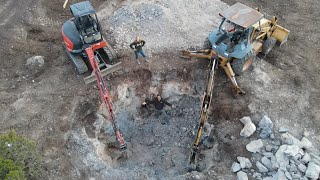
{"points": [[244, 162], [249, 128], [312, 171], [254, 146], [265, 126]]}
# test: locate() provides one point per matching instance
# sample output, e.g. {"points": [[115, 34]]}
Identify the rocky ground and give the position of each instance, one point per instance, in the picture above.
{"points": [[44, 99]]}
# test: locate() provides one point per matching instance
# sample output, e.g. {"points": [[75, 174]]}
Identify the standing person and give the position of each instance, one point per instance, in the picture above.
{"points": [[137, 47], [159, 105]]}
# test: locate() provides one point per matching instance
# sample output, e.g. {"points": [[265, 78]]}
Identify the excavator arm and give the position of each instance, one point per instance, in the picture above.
{"points": [[205, 107], [106, 98]]}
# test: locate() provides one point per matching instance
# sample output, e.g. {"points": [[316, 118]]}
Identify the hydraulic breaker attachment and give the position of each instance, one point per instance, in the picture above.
{"points": [[205, 106]]}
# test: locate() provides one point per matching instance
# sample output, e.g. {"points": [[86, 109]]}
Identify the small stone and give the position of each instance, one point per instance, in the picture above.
{"points": [[266, 162], [268, 154], [268, 148], [254, 146], [287, 138], [312, 171], [306, 158], [283, 129], [249, 128], [242, 175], [276, 143], [255, 175], [302, 168], [306, 143], [244, 162], [272, 136], [296, 175], [35, 61], [268, 178], [292, 150], [235, 167], [261, 167], [280, 175], [293, 168], [306, 134], [288, 175]]}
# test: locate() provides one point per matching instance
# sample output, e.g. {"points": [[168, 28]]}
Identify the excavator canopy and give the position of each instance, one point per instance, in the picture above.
{"points": [[242, 15]]}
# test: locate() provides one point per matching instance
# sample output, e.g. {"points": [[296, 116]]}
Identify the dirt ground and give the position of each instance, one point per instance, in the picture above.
{"points": [[53, 106]]}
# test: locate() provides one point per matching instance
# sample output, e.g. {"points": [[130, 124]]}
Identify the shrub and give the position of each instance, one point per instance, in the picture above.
{"points": [[20, 158]]}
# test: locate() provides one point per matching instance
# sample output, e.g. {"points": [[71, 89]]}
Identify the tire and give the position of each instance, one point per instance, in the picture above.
{"points": [[239, 66], [268, 45], [207, 44]]}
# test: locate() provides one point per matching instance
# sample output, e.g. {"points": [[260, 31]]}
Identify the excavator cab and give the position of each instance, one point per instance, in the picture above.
{"points": [[86, 21]]}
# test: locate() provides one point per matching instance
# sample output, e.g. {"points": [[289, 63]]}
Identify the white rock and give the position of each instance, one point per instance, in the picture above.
{"points": [[235, 167], [282, 159], [292, 150], [313, 170], [302, 168], [254, 146], [283, 129], [280, 175], [306, 158], [261, 167], [306, 143], [244, 162], [249, 128], [35, 61], [242, 175], [268, 148], [266, 162]]}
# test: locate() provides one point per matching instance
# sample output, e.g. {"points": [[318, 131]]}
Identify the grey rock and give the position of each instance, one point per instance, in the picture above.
{"points": [[268, 178], [35, 61], [282, 159], [306, 143], [275, 164], [312, 171], [276, 143], [283, 129], [306, 134], [296, 175], [272, 136], [261, 167], [288, 175], [266, 162], [302, 168], [280, 175], [266, 127], [306, 158], [244, 162], [268, 154], [235, 167], [268, 148], [293, 168], [287, 138], [292, 150], [242, 175], [249, 128], [254, 146]]}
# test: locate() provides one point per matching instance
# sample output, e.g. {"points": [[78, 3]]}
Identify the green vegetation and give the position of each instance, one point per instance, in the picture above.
{"points": [[19, 158]]}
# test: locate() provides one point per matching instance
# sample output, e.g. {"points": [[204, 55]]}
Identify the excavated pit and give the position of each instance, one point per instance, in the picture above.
{"points": [[159, 145]]}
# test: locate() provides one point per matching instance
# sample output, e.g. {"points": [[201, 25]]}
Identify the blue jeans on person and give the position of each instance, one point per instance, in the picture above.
{"points": [[141, 52]]}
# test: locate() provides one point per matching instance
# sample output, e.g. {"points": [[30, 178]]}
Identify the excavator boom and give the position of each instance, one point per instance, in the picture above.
{"points": [[105, 97]]}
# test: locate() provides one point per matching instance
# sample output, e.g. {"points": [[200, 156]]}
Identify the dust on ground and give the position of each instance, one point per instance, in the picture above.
{"points": [[50, 103]]}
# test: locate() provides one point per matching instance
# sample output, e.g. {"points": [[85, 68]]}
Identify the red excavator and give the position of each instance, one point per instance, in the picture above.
{"points": [[86, 47]]}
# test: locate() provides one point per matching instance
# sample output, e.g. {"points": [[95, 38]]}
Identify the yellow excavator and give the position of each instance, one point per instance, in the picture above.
{"points": [[242, 34]]}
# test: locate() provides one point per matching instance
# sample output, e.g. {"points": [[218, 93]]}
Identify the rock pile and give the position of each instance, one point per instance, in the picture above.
{"points": [[278, 158]]}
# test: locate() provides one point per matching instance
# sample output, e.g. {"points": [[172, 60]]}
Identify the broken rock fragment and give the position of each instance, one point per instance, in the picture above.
{"points": [[313, 171], [244, 162], [242, 175], [249, 128], [254, 146], [261, 167], [235, 167], [292, 150], [266, 127]]}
